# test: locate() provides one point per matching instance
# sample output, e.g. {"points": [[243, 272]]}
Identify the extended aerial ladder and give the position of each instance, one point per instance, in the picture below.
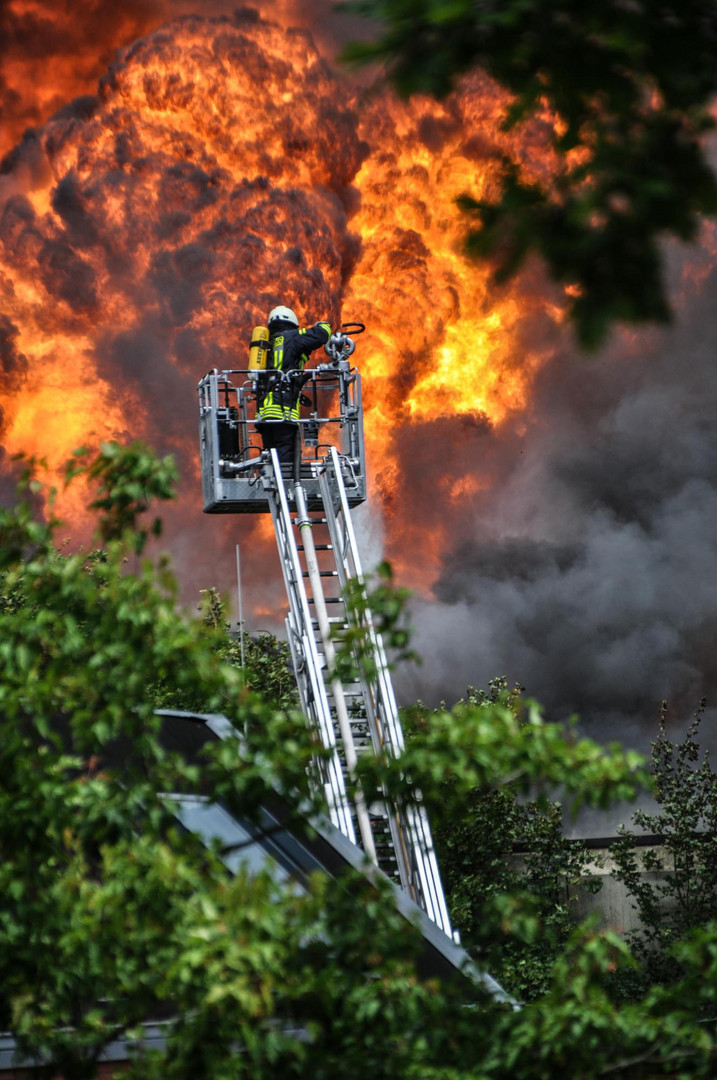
{"points": [[311, 504]]}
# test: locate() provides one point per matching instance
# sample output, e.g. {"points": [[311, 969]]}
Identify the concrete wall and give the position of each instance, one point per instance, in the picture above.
{"points": [[613, 905]]}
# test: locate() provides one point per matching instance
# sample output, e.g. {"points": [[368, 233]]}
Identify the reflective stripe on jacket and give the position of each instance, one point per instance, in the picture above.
{"points": [[279, 395]]}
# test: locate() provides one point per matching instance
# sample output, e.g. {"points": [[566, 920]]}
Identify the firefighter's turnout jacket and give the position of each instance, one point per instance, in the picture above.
{"points": [[290, 349]]}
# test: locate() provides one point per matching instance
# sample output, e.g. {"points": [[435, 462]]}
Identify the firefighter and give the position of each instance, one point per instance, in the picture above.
{"points": [[280, 386]]}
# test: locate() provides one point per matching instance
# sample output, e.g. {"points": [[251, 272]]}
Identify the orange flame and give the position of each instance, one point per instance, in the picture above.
{"points": [[224, 167], [443, 342]]}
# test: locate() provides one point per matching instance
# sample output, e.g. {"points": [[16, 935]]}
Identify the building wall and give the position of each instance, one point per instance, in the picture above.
{"points": [[614, 906]]}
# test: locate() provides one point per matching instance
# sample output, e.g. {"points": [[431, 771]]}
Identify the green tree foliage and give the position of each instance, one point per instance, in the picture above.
{"points": [[103, 896], [375, 603], [503, 856], [263, 661], [127, 480], [680, 891], [112, 915], [625, 87]]}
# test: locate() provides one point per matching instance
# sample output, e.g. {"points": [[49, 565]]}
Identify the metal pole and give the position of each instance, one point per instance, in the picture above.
{"points": [[241, 616]]}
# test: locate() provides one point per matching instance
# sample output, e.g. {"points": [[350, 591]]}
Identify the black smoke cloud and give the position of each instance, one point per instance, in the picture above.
{"points": [[13, 363], [56, 50], [587, 570]]}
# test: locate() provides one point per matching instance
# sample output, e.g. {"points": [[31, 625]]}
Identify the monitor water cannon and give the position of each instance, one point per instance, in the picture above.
{"points": [[340, 345]]}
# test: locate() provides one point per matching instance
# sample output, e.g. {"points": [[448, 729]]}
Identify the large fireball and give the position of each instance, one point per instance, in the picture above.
{"points": [[222, 167]]}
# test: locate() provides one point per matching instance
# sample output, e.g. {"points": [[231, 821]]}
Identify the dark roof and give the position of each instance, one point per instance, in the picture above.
{"points": [[297, 854]]}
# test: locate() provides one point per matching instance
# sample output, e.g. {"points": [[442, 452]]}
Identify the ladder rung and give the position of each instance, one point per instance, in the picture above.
{"points": [[322, 573], [317, 547], [328, 599]]}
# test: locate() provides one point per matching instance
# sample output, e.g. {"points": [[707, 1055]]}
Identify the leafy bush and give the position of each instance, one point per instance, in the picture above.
{"points": [[682, 894]]}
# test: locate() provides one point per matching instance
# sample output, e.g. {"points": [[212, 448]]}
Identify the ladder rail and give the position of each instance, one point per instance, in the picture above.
{"points": [[410, 827], [307, 663], [324, 698], [304, 525], [341, 538], [310, 684], [349, 568]]}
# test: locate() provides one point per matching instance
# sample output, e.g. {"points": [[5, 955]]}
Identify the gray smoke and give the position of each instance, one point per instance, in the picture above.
{"points": [[587, 570]]}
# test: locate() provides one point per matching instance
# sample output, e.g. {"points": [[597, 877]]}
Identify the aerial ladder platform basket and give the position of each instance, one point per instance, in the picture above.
{"points": [[310, 503]]}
